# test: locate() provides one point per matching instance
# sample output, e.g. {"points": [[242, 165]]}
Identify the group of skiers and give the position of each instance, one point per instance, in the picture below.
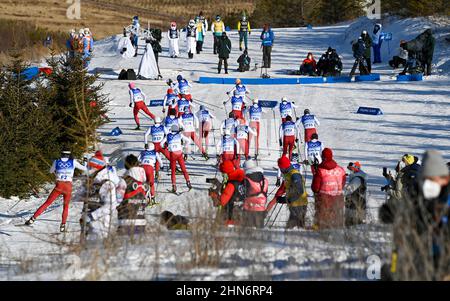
{"points": [[170, 138], [417, 206], [81, 43]]}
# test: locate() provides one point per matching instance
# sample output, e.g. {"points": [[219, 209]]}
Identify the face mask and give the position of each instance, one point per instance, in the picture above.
{"points": [[431, 189]]}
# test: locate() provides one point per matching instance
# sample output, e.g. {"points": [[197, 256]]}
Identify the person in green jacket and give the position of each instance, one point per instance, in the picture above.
{"points": [[224, 50], [368, 52]]}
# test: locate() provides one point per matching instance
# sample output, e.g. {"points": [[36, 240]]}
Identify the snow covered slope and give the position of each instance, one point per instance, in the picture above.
{"points": [[416, 117]]}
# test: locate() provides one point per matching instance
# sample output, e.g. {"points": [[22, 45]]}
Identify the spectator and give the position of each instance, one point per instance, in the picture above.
{"points": [[309, 65], [244, 62], [267, 37], [400, 58], [359, 49], [367, 53], [224, 50]]}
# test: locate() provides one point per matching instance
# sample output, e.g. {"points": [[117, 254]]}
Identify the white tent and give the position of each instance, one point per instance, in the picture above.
{"points": [[125, 43], [148, 68]]}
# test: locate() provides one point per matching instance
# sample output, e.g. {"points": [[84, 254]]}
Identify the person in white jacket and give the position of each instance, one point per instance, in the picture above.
{"points": [[105, 181], [191, 36], [174, 36]]}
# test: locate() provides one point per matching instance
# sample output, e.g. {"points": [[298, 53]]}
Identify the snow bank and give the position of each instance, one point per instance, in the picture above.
{"points": [[408, 29]]}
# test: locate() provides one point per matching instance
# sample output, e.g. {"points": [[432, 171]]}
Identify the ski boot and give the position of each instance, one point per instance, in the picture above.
{"points": [[205, 155], [174, 189], [185, 157], [137, 128], [157, 177], [152, 202], [188, 184], [30, 221], [62, 228]]}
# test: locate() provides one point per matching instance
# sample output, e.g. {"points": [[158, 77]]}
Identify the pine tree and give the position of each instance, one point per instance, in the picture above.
{"points": [[27, 132]]}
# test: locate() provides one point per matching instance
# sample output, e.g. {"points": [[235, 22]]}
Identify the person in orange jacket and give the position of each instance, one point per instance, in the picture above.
{"points": [[328, 187], [309, 65], [231, 193]]}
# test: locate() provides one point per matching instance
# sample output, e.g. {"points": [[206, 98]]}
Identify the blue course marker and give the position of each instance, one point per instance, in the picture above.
{"points": [[116, 132], [410, 78], [156, 103], [369, 111]]}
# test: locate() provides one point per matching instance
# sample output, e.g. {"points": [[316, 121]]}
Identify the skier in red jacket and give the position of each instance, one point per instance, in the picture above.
{"points": [[328, 185]]}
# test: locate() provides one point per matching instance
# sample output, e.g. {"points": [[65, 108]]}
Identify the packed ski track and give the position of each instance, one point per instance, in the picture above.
{"points": [[416, 118]]}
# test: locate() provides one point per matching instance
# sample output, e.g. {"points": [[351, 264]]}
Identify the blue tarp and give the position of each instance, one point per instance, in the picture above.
{"points": [[30, 73]]}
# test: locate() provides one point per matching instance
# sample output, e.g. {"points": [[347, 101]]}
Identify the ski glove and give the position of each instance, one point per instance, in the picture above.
{"points": [[146, 146], [131, 105], [296, 140], [281, 143], [281, 200], [278, 183]]}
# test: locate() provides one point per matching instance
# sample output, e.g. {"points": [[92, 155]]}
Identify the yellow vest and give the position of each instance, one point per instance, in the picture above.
{"points": [[303, 199], [218, 25]]}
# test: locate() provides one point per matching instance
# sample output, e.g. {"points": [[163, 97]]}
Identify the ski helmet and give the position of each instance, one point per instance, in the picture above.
{"points": [[244, 18], [284, 99], [255, 101], [306, 111], [169, 82], [238, 81], [173, 25], [169, 91], [131, 161], [158, 120], [218, 18], [354, 166], [87, 31], [150, 146], [314, 136], [132, 85], [191, 22], [231, 115], [174, 128], [179, 77]]}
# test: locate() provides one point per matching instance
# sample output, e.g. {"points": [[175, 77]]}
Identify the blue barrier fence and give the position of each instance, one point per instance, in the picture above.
{"points": [[410, 78]]}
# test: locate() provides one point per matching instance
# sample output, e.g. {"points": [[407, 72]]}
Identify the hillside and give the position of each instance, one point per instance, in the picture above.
{"points": [[105, 17]]}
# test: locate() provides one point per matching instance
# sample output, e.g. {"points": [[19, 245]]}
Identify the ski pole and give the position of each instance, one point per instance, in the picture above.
{"points": [[274, 220], [204, 102], [270, 215], [13, 206]]}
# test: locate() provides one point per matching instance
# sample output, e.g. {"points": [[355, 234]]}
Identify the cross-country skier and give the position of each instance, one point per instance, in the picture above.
{"points": [[291, 192], [170, 101], [229, 124], [239, 90], [183, 87], [313, 152], [63, 169], [310, 123], [174, 36], [105, 183], [157, 133], [174, 142], [243, 130], [286, 108], [295, 163], [206, 125], [184, 105], [288, 136], [150, 160], [190, 125], [237, 105], [171, 119], [133, 187], [191, 34], [138, 98], [228, 148], [255, 115], [217, 28]]}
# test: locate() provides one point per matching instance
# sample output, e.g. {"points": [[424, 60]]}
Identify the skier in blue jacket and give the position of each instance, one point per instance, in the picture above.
{"points": [[267, 37]]}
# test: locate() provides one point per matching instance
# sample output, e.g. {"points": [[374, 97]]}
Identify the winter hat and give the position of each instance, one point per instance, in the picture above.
{"points": [[284, 162], [97, 161], [249, 164], [409, 159], [434, 165], [227, 167], [132, 85], [327, 154], [354, 166]]}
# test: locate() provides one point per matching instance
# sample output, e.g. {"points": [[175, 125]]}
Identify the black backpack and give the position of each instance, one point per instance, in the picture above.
{"points": [[239, 191]]}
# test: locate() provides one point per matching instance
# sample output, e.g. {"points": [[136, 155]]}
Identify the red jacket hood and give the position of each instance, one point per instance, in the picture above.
{"points": [[237, 175], [329, 164]]}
